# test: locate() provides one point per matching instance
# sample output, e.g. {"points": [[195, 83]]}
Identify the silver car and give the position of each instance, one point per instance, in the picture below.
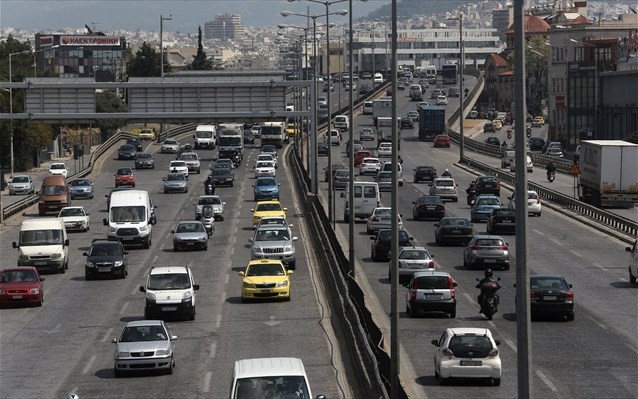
{"points": [[445, 187], [175, 182], [21, 184], [486, 251], [212, 200], [431, 291], [144, 345], [384, 180], [274, 241], [169, 146], [379, 219], [190, 234], [412, 260]]}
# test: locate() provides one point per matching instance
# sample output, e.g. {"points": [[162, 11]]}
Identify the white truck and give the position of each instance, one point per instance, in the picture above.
{"points": [[608, 173], [382, 107], [231, 139], [274, 133], [205, 137], [384, 129]]}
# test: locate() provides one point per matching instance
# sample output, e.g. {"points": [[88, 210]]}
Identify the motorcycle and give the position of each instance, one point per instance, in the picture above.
{"points": [[529, 132], [471, 196], [209, 188], [208, 219], [236, 160], [490, 300], [509, 133], [551, 176]]}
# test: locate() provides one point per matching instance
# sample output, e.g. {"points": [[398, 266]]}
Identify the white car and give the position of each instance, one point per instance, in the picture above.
{"points": [[169, 146], [366, 134], [422, 104], [75, 218], [178, 167], [264, 169], [369, 165], [212, 200], [467, 353], [528, 162], [445, 187], [633, 262], [335, 137], [534, 204], [385, 150], [58, 168], [378, 78], [381, 219], [266, 158], [441, 100], [21, 184], [322, 101]]}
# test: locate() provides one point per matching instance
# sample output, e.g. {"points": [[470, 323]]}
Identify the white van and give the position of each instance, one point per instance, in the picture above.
{"points": [[633, 262], [43, 244], [366, 199], [342, 123], [263, 377], [131, 217], [387, 167], [205, 136], [367, 108], [378, 78]]}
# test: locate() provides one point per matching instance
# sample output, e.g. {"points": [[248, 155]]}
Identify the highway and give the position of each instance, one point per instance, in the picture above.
{"points": [[65, 346], [593, 356]]}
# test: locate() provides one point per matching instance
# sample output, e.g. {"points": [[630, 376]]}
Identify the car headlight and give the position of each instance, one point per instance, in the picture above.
{"points": [[113, 229], [89, 264], [249, 285], [150, 296], [283, 283], [187, 296], [56, 256], [287, 248], [144, 228], [3, 292], [177, 238], [121, 354], [163, 352], [202, 238], [118, 263], [24, 257], [34, 291]]}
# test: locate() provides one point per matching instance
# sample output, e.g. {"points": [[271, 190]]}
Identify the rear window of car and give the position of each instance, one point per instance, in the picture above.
{"points": [[473, 346], [430, 200], [486, 242], [433, 283], [547, 283]]}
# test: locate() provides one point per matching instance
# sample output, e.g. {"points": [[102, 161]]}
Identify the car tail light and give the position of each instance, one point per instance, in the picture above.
{"points": [[475, 248], [431, 265], [375, 219], [493, 353], [569, 297], [440, 207], [447, 352], [504, 248], [451, 285]]}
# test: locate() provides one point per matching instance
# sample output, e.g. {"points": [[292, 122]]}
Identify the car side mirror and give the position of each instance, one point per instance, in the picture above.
{"points": [[252, 210], [497, 341], [436, 225], [173, 337], [114, 340], [85, 254], [289, 272], [66, 242], [570, 286], [15, 244], [372, 238], [628, 249], [250, 240], [172, 231], [498, 279], [105, 222], [435, 342], [253, 185], [88, 214], [142, 288], [295, 238], [514, 285], [125, 252], [241, 273], [285, 209], [195, 287]]}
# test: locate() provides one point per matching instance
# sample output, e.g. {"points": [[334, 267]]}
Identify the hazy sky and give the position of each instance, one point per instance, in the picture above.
{"points": [[53, 15]]}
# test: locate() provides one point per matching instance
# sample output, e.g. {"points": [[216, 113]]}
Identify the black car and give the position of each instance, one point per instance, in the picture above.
{"points": [[323, 148], [551, 295], [144, 160], [407, 123], [249, 137], [126, 151], [136, 142], [364, 89], [268, 149], [453, 230], [493, 140], [424, 173], [487, 185], [106, 258], [222, 177], [489, 128], [428, 207], [502, 220], [335, 168], [381, 243], [536, 143]]}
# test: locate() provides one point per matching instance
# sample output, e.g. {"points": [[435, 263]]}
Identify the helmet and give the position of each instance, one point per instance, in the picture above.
{"points": [[488, 273], [73, 396], [446, 170]]}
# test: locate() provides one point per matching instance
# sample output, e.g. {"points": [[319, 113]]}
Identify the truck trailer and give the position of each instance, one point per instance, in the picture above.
{"points": [[608, 173], [431, 122]]}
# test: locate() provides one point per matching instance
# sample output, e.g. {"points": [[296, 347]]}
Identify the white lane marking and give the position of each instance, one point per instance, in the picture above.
{"points": [[540, 233], [632, 348], [599, 324], [510, 344], [546, 380], [623, 279], [136, 289], [223, 299], [226, 278], [154, 258], [576, 253], [88, 365], [124, 307], [207, 378], [107, 335], [213, 349], [555, 241], [599, 266], [162, 247], [218, 321], [232, 250]]}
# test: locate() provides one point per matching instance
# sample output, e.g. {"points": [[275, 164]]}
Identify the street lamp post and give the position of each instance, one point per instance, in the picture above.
{"points": [[161, 38]]}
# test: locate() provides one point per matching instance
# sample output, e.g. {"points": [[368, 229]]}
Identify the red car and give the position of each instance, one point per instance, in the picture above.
{"points": [[442, 140], [125, 177], [21, 285], [359, 155]]}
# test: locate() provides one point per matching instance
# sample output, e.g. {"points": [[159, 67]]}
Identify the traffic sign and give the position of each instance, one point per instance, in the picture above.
{"points": [[574, 170]]}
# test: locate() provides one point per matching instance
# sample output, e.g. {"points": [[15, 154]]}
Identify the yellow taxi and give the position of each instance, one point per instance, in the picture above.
{"points": [[146, 134], [265, 279], [267, 209], [538, 121], [291, 129], [498, 124]]}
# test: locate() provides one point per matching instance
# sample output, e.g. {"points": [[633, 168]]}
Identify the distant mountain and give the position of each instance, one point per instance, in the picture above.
{"points": [[409, 8]]}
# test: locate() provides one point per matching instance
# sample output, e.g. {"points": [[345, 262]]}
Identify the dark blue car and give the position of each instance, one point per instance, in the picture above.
{"points": [[266, 188]]}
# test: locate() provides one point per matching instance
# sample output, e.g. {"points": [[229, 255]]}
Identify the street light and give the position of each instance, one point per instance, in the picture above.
{"points": [[461, 92], [162, 19]]}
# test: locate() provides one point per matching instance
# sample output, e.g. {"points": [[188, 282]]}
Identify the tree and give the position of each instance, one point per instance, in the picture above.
{"points": [[108, 102], [536, 56], [200, 61], [145, 63]]}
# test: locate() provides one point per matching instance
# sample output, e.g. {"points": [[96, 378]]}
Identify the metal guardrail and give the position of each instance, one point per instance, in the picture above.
{"points": [[30, 200]]}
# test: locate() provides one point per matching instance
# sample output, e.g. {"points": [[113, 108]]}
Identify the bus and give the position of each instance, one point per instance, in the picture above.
{"points": [[450, 72]]}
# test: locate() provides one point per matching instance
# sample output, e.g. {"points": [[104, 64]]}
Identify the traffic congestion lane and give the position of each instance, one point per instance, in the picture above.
{"points": [[81, 319], [590, 299]]}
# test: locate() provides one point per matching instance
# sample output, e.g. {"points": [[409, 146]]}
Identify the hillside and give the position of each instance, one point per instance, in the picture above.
{"points": [[409, 8]]}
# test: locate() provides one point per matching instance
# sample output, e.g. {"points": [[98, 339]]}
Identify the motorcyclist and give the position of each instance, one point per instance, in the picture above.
{"points": [[504, 145], [551, 168], [209, 182], [236, 158], [446, 173], [399, 159], [489, 278], [471, 192]]}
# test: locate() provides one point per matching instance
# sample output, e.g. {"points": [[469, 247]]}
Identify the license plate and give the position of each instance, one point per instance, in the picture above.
{"points": [[40, 263], [266, 291], [433, 296], [550, 298], [128, 238], [53, 207], [169, 308], [190, 243], [456, 231], [490, 260], [471, 363], [104, 269], [507, 221], [17, 297], [431, 208], [488, 186]]}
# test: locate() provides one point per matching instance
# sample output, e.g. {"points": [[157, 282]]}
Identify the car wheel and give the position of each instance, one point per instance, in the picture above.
{"points": [[205, 247], [148, 243], [632, 278], [443, 381], [346, 218], [170, 368], [191, 316], [292, 265], [497, 382], [412, 312], [175, 248], [538, 214], [368, 231], [87, 277], [506, 267], [40, 302], [63, 269], [570, 316], [117, 372], [453, 313]]}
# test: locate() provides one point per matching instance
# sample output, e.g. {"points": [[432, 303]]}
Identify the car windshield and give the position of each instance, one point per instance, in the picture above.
{"points": [[209, 201], [175, 177], [221, 172], [265, 157], [80, 182], [505, 212], [127, 147], [266, 182], [178, 164], [105, 250], [432, 200], [20, 179], [488, 201], [384, 175], [58, 166], [455, 222], [41, 237], [189, 156], [54, 190], [414, 254], [18, 276], [472, 346], [124, 171], [141, 156], [267, 269], [130, 214], [271, 387], [383, 212], [170, 142], [71, 212], [144, 333], [169, 281], [384, 235], [272, 235], [547, 283], [190, 228], [268, 148], [268, 207], [264, 164]]}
